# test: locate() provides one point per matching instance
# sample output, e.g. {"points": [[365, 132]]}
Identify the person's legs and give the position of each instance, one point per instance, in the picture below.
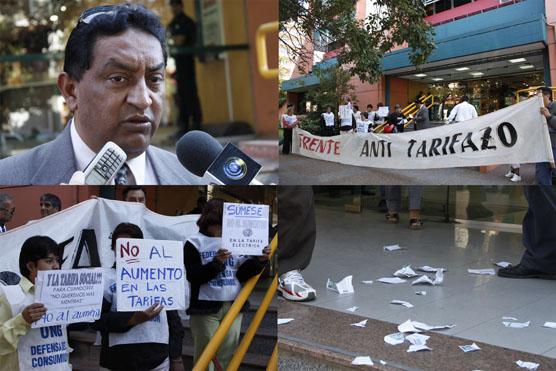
{"points": [[203, 328], [539, 236], [287, 141], [393, 203], [543, 173], [414, 195], [229, 345]]}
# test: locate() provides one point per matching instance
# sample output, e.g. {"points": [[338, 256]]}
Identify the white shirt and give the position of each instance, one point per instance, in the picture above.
{"points": [[140, 166], [288, 121], [328, 118], [462, 112]]}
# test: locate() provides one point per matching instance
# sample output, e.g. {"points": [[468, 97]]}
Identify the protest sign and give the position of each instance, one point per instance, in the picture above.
{"points": [[70, 296], [362, 127], [345, 112], [245, 228], [149, 272], [515, 134], [383, 111]]}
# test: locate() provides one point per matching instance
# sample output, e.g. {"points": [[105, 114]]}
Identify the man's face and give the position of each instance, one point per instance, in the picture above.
{"points": [[136, 195], [47, 208], [176, 9], [120, 97], [546, 99], [7, 210], [47, 264]]}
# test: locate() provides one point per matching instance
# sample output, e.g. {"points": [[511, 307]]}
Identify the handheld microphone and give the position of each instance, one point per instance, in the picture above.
{"points": [[204, 156]]}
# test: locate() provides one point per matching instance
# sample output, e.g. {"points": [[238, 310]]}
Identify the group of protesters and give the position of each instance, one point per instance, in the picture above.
{"points": [[149, 339]]}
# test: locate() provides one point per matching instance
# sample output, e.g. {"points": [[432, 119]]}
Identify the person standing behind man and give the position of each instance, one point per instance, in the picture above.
{"points": [[50, 204], [397, 118], [7, 210], [463, 111], [289, 122], [544, 170], [421, 119], [347, 120], [183, 31]]}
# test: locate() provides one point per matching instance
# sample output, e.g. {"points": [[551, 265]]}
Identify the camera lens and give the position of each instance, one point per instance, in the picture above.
{"points": [[235, 168]]}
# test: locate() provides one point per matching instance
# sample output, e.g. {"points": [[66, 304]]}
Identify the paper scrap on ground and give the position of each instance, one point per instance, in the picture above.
{"points": [[367, 282], [503, 264], [414, 326], [408, 326], [510, 318], [391, 280], [527, 365], [382, 362], [469, 348], [352, 309], [360, 324], [362, 361], [487, 271], [417, 339], [343, 287], [405, 272], [549, 324], [392, 248], [424, 279], [401, 302], [417, 348], [426, 268], [421, 293], [395, 338], [517, 324], [283, 321]]}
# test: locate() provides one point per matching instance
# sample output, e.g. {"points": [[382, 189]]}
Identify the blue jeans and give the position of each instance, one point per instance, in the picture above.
{"points": [[543, 172]]}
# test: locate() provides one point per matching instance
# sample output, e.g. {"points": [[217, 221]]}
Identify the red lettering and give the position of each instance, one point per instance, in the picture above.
{"points": [[337, 148]]}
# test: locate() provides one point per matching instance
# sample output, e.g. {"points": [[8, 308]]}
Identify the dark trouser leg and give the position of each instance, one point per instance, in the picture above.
{"points": [[539, 229], [287, 141], [394, 198], [297, 229]]}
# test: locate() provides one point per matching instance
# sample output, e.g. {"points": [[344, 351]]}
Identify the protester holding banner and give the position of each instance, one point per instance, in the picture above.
{"points": [[289, 122], [23, 347], [141, 340], [215, 277], [544, 170]]}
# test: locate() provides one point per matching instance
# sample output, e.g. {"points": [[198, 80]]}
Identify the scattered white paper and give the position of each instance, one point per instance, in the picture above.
{"points": [[424, 279], [426, 268], [391, 280], [367, 282], [401, 302], [395, 338], [425, 327], [363, 361], [417, 339], [343, 287], [549, 324], [408, 326], [423, 293], [352, 309], [382, 362], [417, 348], [469, 348], [405, 272], [392, 247], [503, 264], [488, 271], [360, 324], [510, 318], [517, 324], [527, 365], [283, 321]]}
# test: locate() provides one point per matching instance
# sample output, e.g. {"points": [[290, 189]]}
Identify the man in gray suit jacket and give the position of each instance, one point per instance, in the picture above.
{"points": [[113, 83], [421, 119]]}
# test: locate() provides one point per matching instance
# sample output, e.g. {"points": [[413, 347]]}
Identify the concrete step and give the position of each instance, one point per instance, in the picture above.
{"points": [[324, 337]]}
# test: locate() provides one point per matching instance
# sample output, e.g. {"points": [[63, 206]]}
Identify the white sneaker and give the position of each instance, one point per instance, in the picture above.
{"points": [[509, 174], [516, 178], [292, 286]]}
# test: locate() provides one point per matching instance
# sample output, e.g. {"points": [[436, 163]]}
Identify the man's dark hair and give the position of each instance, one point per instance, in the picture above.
{"points": [[380, 104], [289, 106], [5, 197], [132, 188], [365, 115], [546, 91], [53, 199], [176, 2], [465, 98], [107, 20], [128, 229], [34, 249], [369, 105], [356, 107], [211, 215]]}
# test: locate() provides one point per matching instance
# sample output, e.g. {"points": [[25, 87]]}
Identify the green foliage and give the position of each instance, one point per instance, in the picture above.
{"points": [[394, 22]]}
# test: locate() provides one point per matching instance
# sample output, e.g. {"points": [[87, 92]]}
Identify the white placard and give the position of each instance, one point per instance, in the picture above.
{"points": [[345, 112], [362, 127], [245, 228], [73, 295], [383, 111], [149, 272]]}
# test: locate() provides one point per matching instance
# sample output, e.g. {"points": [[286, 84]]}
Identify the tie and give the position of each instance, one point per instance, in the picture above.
{"points": [[124, 176]]}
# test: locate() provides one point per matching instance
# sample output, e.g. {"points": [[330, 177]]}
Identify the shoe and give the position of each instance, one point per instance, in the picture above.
{"points": [[392, 218], [516, 178], [415, 224], [509, 174], [520, 271], [292, 286]]}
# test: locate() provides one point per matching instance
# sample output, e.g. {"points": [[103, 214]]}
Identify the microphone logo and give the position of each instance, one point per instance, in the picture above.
{"points": [[235, 168]]}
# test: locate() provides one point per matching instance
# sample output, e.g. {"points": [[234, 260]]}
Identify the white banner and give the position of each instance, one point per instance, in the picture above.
{"points": [[245, 228], [149, 272], [84, 230], [515, 134], [70, 296]]}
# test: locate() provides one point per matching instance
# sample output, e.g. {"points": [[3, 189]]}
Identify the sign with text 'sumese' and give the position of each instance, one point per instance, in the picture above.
{"points": [[149, 272], [245, 228]]}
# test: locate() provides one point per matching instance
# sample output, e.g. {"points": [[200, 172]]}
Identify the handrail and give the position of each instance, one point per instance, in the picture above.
{"points": [[261, 50], [218, 337], [273, 363]]}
